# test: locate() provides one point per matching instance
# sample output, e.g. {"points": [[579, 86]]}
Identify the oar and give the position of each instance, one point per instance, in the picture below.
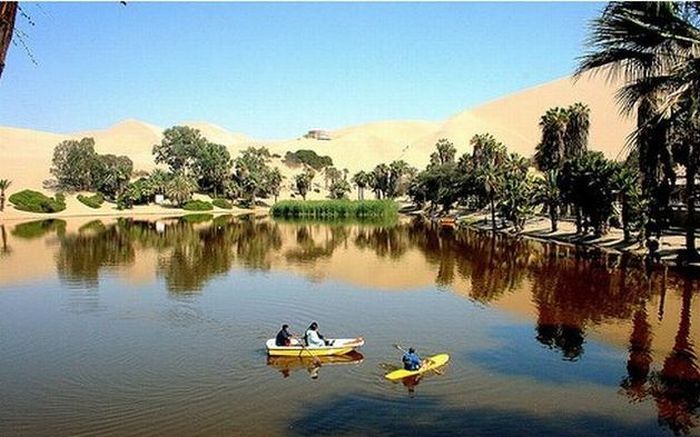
{"points": [[317, 360]]}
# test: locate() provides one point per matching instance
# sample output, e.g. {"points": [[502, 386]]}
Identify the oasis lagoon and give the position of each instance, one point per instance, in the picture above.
{"points": [[157, 327]]}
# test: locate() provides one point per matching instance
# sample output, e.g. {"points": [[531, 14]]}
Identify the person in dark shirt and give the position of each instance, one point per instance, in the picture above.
{"points": [[284, 337]]}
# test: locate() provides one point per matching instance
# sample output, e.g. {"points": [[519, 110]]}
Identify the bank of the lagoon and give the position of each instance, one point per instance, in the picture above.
{"points": [[337, 208], [133, 326]]}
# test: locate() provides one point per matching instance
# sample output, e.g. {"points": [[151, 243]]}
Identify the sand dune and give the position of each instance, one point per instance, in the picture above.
{"points": [[26, 154]]}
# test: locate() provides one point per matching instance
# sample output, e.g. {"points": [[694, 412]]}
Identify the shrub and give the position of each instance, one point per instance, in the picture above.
{"points": [[335, 208], [308, 157], [222, 203], [198, 205], [34, 201], [95, 201]]}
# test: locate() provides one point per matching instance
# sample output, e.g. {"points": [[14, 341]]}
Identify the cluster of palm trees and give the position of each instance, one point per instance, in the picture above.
{"points": [[385, 180], [655, 49]]}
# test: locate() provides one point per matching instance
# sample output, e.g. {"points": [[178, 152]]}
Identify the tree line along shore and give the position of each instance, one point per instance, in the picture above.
{"points": [[650, 190]]}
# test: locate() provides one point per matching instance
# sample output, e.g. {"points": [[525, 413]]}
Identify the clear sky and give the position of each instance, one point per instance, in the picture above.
{"points": [[275, 70]]}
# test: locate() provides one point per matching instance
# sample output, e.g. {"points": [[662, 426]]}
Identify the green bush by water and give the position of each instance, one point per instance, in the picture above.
{"points": [[222, 203], [95, 201], [198, 205], [335, 208], [34, 201]]}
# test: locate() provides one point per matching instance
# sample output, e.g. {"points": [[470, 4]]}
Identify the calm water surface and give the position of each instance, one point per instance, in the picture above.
{"points": [[157, 327]]}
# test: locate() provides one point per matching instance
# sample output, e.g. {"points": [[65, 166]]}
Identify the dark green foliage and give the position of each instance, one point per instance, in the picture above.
{"points": [[302, 182], [74, 163], [334, 208], [222, 203], [178, 148], [139, 192], [339, 189], [588, 182], [94, 201], [308, 157], [197, 205], [111, 174], [253, 173], [39, 228], [34, 201], [212, 165]]}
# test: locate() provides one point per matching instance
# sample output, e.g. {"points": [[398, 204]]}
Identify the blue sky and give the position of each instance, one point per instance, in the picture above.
{"points": [[275, 70]]}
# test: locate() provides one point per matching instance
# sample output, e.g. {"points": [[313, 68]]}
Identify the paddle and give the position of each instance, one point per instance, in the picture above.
{"points": [[316, 360]]}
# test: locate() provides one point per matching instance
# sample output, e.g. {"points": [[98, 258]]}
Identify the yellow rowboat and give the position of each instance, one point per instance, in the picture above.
{"points": [[338, 346], [305, 362], [430, 363]]}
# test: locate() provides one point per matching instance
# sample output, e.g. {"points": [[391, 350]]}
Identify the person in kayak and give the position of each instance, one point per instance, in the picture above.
{"points": [[411, 360], [313, 338], [284, 337]]}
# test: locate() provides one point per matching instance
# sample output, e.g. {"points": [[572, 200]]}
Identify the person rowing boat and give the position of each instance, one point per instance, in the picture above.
{"points": [[284, 337], [411, 360]]}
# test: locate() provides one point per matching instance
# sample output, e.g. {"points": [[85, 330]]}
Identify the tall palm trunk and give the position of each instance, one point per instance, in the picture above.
{"points": [[493, 213], [690, 172], [553, 216]]}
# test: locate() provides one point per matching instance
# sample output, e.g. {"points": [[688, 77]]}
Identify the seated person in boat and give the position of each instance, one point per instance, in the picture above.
{"points": [[284, 337], [313, 338], [411, 360]]}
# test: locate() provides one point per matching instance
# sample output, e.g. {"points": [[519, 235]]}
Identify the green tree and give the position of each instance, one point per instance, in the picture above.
{"points": [[626, 183], [576, 133], [550, 152], [339, 189], [655, 48], [588, 182], [399, 171], [330, 176], [547, 193], [178, 148], [180, 189], [361, 180], [444, 154], [274, 182], [251, 172], [112, 174], [74, 163], [158, 180], [379, 180], [516, 189], [302, 182], [4, 185], [211, 165]]}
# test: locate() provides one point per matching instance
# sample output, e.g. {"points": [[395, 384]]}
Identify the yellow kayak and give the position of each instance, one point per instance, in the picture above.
{"points": [[431, 363]]}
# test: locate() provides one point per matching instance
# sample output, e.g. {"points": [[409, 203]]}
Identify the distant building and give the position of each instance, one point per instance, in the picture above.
{"points": [[318, 134]]}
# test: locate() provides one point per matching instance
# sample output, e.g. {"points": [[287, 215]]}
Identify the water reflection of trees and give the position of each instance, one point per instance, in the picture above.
{"points": [[188, 254], [675, 387]]}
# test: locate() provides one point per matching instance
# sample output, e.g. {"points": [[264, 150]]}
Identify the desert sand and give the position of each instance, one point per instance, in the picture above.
{"points": [[26, 154]]}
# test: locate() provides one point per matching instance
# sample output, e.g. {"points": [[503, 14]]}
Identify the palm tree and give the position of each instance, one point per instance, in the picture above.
{"points": [[548, 194], [274, 182], [361, 179], [655, 48], [550, 152], [4, 185], [576, 133], [180, 189], [626, 184]]}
